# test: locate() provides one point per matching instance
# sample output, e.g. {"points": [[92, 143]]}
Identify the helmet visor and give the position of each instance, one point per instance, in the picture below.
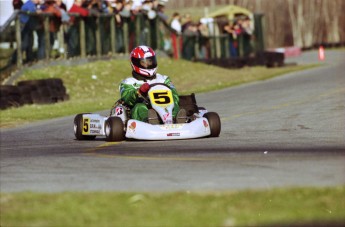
{"points": [[145, 63]]}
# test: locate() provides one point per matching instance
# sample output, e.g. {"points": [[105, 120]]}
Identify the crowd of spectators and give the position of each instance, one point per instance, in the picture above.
{"points": [[240, 27], [182, 28]]}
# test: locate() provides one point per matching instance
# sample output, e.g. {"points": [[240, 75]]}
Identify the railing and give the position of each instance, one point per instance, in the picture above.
{"points": [[103, 36]]}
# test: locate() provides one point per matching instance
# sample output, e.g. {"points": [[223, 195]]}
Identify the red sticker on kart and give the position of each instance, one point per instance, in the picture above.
{"points": [[205, 123], [132, 126], [119, 111], [173, 134]]}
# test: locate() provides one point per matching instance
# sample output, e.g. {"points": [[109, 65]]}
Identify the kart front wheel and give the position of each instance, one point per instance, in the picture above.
{"points": [[114, 129], [78, 128], [214, 121]]}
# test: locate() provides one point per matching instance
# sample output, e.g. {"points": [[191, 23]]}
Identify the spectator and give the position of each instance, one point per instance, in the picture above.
{"points": [[130, 14], [234, 30], [189, 34], [186, 22], [160, 8], [54, 23], [149, 29], [65, 18], [73, 32], [136, 5], [176, 23], [17, 4], [203, 41], [94, 7], [175, 39], [61, 5], [120, 44], [164, 40], [29, 25], [104, 23], [247, 33]]}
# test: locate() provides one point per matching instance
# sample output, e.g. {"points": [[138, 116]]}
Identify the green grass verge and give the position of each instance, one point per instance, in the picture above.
{"points": [[5, 55], [89, 95], [275, 207]]}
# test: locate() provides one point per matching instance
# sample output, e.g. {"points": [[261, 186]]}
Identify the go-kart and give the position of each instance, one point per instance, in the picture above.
{"points": [[118, 126]]}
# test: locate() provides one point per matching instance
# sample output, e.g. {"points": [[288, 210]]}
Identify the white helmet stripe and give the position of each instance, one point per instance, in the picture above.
{"points": [[145, 48]]}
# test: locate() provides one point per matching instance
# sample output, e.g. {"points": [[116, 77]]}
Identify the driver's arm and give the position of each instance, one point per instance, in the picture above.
{"points": [[129, 94]]}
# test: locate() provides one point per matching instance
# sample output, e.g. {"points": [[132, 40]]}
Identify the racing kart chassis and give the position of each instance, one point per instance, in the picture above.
{"points": [[118, 126]]}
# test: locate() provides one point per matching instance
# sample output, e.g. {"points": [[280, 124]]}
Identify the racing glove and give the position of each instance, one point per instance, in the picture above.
{"points": [[144, 88]]}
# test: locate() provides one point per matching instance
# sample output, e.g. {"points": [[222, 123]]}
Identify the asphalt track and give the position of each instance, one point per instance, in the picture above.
{"points": [[284, 132]]}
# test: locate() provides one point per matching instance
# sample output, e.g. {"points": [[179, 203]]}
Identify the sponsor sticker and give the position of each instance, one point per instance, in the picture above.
{"points": [[173, 134], [171, 126], [118, 111], [205, 124], [132, 126], [93, 131]]}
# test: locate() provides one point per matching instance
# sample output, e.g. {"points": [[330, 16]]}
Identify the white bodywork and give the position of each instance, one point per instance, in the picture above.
{"points": [[144, 131], [94, 125], [161, 100]]}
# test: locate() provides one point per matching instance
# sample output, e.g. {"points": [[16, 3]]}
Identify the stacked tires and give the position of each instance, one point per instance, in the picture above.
{"points": [[44, 91]]}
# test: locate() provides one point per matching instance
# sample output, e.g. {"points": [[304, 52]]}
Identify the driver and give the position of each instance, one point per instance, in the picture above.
{"points": [[144, 65]]}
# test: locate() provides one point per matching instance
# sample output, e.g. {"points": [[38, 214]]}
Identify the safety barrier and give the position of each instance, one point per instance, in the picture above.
{"points": [[44, 91]]}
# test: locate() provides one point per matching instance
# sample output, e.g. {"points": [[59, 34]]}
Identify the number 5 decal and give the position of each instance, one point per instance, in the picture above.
{"points": [[161, 97], [86, 125]]}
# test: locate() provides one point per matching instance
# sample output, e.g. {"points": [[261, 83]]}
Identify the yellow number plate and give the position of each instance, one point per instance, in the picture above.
{"points": [[161, 97]]}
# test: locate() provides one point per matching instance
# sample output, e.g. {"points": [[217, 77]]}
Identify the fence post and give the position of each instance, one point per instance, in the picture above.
{"points": [[227, 46], [159, 32], [19, 43], [61, 40], [98, 37], [240, 46], [46, 37], [179, 40], [197, 48], [112, 34], [125, 36], [82, 38], [138, 19], [213, 41], [259, 32]]}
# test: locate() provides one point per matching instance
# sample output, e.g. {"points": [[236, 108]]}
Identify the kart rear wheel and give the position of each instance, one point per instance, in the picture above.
{"points": [[114, 129], [78, 127], [214, 121]]}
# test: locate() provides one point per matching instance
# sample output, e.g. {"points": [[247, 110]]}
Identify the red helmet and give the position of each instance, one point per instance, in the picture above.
{"points": [[143, 61]]}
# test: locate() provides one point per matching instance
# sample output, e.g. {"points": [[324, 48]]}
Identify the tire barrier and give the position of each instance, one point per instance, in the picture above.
{"points": [[44, 91]]}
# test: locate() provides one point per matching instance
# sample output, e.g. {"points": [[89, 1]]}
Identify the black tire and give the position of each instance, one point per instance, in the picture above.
{"points": [[78, 127], [214, 121], [25, 92], [54, 82], [37, 83], [11, 94], [114, 129]]}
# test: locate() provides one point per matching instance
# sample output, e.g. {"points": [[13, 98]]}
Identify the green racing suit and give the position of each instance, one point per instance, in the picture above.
{"points": [[129, 95]]}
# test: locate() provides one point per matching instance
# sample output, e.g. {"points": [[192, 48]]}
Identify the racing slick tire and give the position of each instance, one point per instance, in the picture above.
{"points": [[214, 121], [114, 129], [78, 129]]}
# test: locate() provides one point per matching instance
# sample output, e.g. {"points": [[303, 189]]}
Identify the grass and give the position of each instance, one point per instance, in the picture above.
{"points": [[245, 208], [90, 95], [5, 54]]}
